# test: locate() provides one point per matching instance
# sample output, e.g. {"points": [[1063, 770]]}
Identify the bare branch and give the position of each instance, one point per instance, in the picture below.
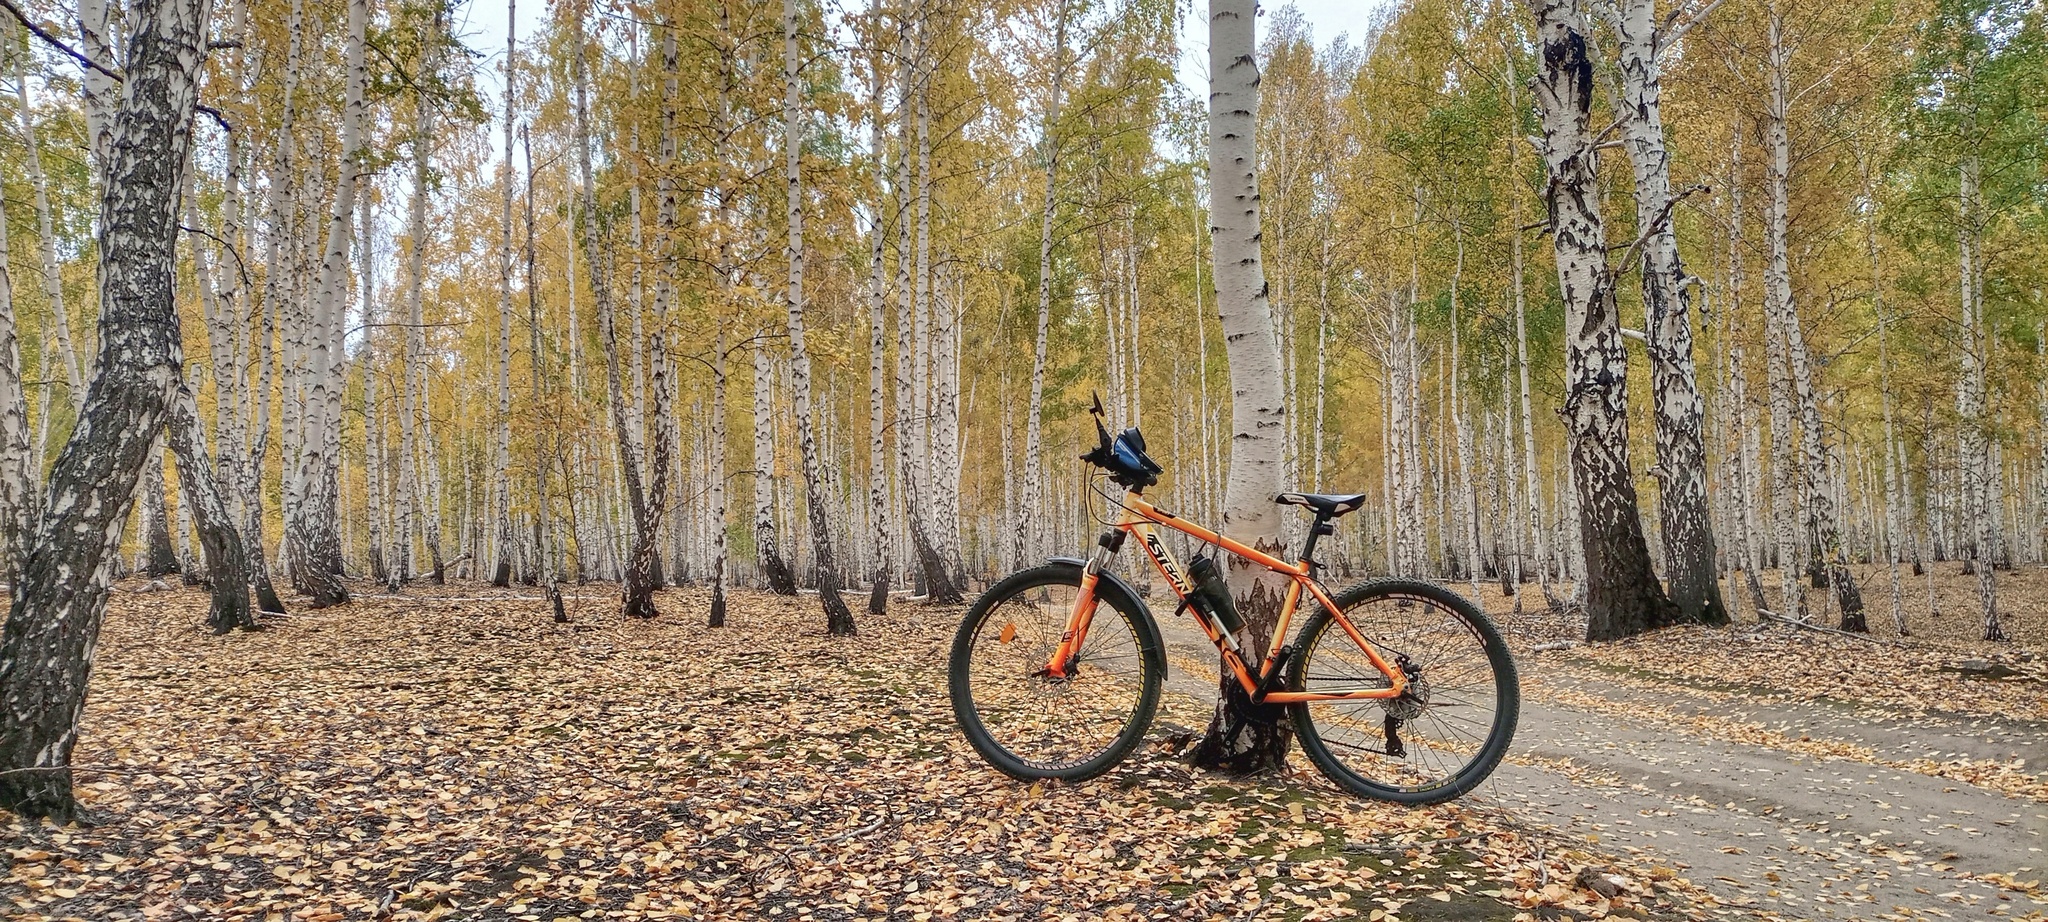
{"points": [[54, 42], [1675, 35]]}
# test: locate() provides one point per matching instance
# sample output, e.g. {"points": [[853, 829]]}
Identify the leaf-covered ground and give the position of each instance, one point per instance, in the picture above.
{"points": [[1940, 667], [455, 755]]}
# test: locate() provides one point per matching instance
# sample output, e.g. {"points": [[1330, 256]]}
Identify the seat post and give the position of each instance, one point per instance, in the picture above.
{"points": [[1320, 528]]}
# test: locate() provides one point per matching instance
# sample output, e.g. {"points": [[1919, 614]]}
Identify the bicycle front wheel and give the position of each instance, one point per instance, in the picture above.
{"points": [[1030, 725], [1441, 737]]}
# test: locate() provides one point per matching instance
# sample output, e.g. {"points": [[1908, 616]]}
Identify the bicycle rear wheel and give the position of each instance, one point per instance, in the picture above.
{"points": [[1031, 726], [1444, 735]]}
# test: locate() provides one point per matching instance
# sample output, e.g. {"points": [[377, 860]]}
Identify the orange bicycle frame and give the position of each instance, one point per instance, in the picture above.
{"points": [[1140, 519]]}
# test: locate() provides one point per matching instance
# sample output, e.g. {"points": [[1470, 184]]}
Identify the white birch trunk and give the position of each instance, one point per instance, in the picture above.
{"points": [[715, 490], [60, 593], [1468, 499], [878, 345], [1621, 593], [20, 471], [1258, 423], [1892, 531], [1688, 535], [46, 249], [544, 445], [1971, 449], [838, 619], [419, 451], [313, 522], [1823, 540], [641, 502], [766, 546], [1031, 510], [1747, 448], [501, 449], [1532, 486]]}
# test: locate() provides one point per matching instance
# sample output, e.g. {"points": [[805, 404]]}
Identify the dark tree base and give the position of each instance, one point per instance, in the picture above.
{"points": [[1710, 610], [939, 588], [638, 601], [780, 580], [1260, 745], [878, 597], [266, 595], [1849, 598], [230, 610], [555, 602], [1616, 612], [838, 618], [42, 794]]}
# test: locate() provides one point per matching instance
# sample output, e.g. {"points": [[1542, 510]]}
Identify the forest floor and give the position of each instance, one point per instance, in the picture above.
{"points": [[452, 754]]}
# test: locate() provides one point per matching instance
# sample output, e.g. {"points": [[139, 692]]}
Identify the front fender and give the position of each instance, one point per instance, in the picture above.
{"points": [[1121, 594]]}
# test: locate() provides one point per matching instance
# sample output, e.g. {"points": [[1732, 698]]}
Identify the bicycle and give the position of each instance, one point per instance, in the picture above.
{"points": [[1399, 690]]}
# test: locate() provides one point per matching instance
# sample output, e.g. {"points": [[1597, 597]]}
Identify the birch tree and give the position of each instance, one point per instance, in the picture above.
{"points": [[644, 501], [1641, 38], [716, 486], [501, 456], [1974, 129], [1031, 506], [767, 546], [879, 566], [20, 470], [226, 559], [838, 619], [46, 238], [544, 551], [1258, 423], [60, 595], [312, 519], [1823, 538], [1621, 593]]}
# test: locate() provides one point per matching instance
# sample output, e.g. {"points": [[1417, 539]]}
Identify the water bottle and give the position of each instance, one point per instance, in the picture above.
{"points": [[1211, 593]]}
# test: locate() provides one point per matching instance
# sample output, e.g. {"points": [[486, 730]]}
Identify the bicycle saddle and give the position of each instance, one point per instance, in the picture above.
{"points": [[1324, 504]]}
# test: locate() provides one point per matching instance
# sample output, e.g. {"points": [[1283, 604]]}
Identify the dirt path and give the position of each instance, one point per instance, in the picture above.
{"points": [[1765, 829]]}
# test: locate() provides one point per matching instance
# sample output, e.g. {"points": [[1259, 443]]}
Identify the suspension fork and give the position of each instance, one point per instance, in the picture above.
{"points": [[1068, 653]]}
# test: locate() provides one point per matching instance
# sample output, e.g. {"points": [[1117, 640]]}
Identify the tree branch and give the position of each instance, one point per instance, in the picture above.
{"points": [[1663, 218], [54, 42], [1676, 34]]}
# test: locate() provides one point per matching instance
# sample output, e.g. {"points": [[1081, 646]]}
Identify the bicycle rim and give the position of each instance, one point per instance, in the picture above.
{"points": [[1438, 739], [1035, 726]]}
